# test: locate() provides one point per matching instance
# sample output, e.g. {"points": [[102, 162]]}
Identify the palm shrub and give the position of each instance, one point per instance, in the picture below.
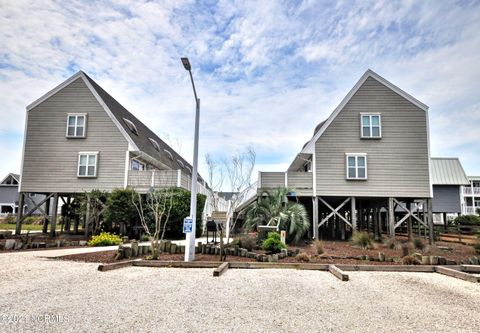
{"points": [[274, 209], [273, 243]]}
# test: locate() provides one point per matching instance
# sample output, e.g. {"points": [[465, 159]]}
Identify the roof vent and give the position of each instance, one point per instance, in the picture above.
{"points": [[170, 156], [131, 126], [181, 163], [155, 144], [189, 170]]}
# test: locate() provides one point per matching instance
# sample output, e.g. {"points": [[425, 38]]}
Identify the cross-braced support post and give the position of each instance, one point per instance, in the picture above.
{"points": [[391, 217], [430, 221], [18, 226], [353, 210]]}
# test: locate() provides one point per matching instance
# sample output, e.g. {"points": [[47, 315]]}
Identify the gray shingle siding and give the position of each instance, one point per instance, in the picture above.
{"points": [[398, 164], [50, 159]]}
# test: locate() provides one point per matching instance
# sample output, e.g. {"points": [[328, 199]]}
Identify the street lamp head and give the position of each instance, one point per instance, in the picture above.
{"points": [[186, 63]]}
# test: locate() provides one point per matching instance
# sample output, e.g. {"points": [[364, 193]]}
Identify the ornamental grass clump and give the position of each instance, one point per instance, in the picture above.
{"points": [[393, 244], [318, 247], [302, 257], [273, 243], [418, 244], [362, 239], [409, 260], [105, 239]]}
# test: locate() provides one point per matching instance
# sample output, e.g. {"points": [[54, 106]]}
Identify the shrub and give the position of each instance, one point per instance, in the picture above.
{"points": [[319, 247], [145, 238], [393, 244], [409, 260], [467, 220], [418, 244], [407, 247], [302, 257], [105, 239], [362, 239], [273, 243], [120, 209], [10, 219], [245, 242]]}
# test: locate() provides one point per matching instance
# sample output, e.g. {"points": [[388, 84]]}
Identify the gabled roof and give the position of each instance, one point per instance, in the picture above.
{"points": [[320, 129], [141, 142], [13, 175], [448, 171]]}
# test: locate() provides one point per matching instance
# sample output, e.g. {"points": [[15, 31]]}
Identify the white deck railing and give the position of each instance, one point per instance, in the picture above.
{"points": [[471, 191]]}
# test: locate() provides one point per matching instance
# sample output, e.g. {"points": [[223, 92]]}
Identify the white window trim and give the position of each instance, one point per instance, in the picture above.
{"points": [[140, 162], [379, 125], [96, 153], [84, 126], [347, 155]]}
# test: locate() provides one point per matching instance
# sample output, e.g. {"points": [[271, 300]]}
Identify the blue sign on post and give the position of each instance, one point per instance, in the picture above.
{"points": [[187, 225]]}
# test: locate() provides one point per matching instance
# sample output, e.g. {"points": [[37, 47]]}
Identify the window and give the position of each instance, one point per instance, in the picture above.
{"points": [[76, 125], [87, 164], [371, 126], [137, 165], [154, 144], [356, 166], [131, 126]]}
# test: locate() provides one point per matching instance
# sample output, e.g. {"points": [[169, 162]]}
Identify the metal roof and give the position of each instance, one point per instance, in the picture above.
{"points": [[448, 171], [473, 177]]}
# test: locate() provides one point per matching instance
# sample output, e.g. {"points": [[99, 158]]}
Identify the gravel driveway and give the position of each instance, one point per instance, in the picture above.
{"points": [[41, 292]]}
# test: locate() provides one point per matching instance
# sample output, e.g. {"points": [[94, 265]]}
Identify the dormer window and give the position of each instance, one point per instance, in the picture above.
{"points": [[131, 126], [181, 163], [76, 125], [371, 126], [170, 156], [154, 144]]}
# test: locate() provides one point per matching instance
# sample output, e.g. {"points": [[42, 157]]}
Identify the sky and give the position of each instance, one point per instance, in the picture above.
{"points": [[266, 71]]}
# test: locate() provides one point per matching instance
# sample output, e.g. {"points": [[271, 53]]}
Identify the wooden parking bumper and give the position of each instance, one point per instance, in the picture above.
{"points": [[220, 269], [116, 265], [338, 273], [178, 264], [457, 274]]}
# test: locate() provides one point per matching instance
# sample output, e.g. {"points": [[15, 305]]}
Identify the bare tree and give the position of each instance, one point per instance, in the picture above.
{"points": [[239, 170], [236, 173], [215, 180], [159, 204]]}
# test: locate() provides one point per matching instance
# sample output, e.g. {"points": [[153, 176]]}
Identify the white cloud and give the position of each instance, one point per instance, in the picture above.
{"points": [[267, 72]]}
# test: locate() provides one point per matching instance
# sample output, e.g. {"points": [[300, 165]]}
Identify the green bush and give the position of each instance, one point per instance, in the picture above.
{"points": [[105, 239], [120, 209], [273, 243], [362, 239], [418, 244], [467, 220], [180, 210], [245, 242]]}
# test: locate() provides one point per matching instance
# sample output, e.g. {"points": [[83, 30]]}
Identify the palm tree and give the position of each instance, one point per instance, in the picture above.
{"points": [[274, 209]]}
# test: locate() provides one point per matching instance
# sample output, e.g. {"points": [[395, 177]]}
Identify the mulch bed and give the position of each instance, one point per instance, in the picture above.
{"points": [[336, 252]]}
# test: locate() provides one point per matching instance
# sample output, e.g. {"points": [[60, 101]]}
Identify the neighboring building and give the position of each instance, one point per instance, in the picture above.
{"points": [[9, 196], [448, 177], [79, 138], [370, 156], [471, 196]]}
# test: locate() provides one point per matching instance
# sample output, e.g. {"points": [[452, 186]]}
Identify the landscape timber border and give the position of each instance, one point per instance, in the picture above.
{"points": [[339, 271]]}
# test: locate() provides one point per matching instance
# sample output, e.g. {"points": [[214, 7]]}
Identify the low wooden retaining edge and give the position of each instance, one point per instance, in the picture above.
{"points": [[277, 265], [177, 264], [388, 268], [470, 268], [116, 265], [337, 272], [220, 269], [457, 274]]}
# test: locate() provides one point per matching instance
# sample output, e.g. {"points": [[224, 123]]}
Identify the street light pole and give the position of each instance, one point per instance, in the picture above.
{"points": [[190, 237]]}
